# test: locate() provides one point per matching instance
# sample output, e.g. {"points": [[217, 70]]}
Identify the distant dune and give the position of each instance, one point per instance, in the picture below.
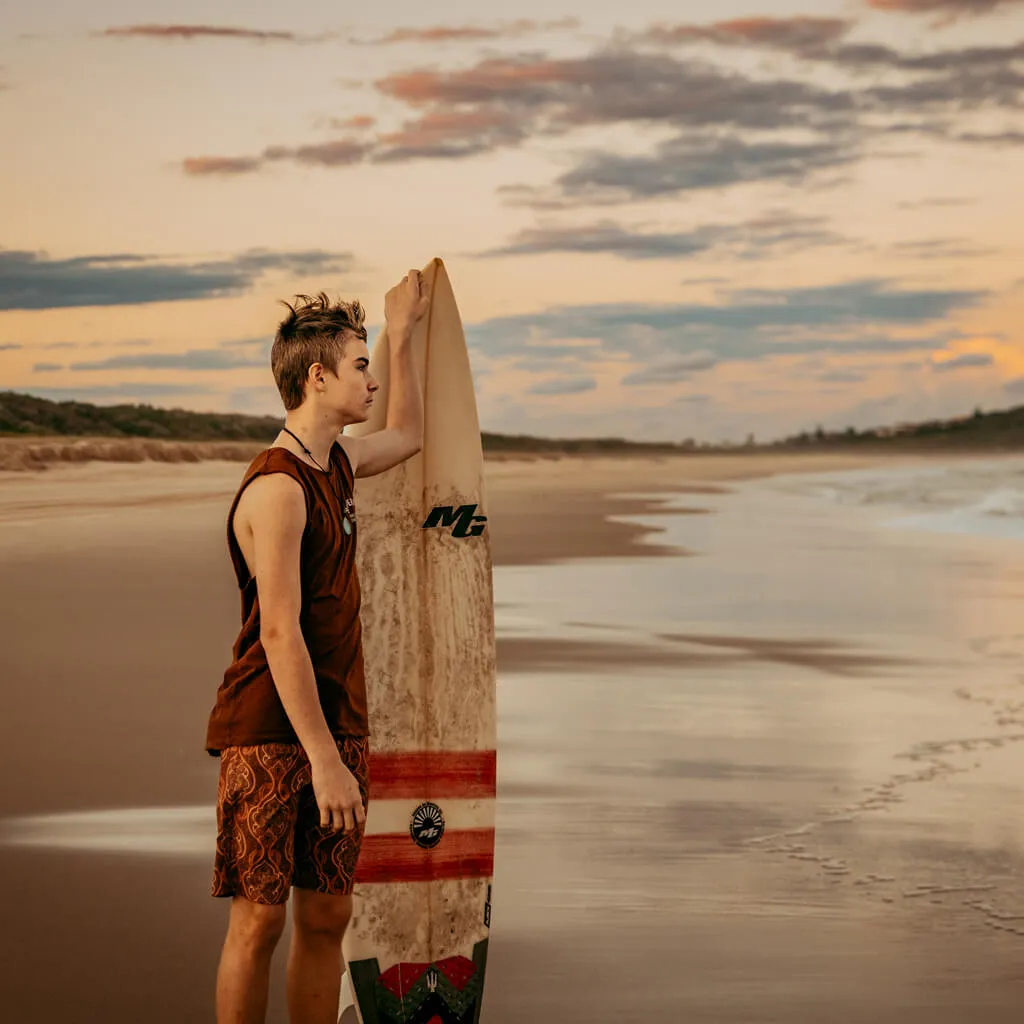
{"points": [[41, 453]]}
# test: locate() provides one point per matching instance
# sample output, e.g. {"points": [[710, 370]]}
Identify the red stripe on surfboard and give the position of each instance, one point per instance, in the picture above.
{"points": [[394, 857], [433, 775]]}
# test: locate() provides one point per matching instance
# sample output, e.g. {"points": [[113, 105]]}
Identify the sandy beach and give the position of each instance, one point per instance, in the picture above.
{"points": [[758, 753]]}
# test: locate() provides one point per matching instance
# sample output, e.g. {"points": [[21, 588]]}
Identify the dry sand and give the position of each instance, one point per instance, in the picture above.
{"points": [[119, 610]]}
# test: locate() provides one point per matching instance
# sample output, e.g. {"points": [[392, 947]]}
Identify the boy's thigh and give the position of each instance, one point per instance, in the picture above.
{"points": [[326, 857], [257, 816]]}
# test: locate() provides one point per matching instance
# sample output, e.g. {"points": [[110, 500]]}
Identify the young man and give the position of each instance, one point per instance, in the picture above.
{"points": [[290, 722]]}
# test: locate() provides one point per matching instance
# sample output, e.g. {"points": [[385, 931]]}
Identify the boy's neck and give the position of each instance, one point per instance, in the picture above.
{"points": [[317, 434]]}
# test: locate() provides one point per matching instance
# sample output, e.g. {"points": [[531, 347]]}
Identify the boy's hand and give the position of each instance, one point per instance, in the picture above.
{"points": [[405, 304], [337, 794]]}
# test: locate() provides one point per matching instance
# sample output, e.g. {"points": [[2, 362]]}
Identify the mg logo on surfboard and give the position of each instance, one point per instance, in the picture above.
{"points": [[427, 825], [462, 520]]}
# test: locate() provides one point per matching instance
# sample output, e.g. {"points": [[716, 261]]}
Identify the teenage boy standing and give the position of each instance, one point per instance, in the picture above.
{"points": [[290, 723]]}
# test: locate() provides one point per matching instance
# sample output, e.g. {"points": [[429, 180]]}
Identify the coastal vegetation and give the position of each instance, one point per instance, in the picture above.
{"points": [[35, 431]]}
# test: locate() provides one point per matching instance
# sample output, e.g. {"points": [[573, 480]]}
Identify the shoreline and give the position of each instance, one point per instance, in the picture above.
{"points": [[542, 509]]}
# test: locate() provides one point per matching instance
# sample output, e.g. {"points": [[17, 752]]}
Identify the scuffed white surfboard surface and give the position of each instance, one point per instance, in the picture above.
{"points": [[428, 634]]}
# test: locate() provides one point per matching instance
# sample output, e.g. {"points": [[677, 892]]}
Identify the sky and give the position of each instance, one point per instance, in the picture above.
{"points": [[660, 223]]}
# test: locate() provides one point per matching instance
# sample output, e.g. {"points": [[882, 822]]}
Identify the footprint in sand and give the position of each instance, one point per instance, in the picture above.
{"points": [[938, 758], [1004, 647], [998, 919], [879, 798]]}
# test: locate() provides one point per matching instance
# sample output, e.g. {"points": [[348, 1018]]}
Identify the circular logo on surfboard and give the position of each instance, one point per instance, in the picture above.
{"points": [[427, 825]]}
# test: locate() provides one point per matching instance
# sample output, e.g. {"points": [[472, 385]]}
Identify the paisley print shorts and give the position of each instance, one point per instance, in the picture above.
{"points": [[269, 836]]}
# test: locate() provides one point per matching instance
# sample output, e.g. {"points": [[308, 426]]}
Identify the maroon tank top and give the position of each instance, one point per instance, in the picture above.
{"points": [[248, 709]]}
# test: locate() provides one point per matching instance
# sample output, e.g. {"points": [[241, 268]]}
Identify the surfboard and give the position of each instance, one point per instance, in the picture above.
{"points": [[416, 948]]}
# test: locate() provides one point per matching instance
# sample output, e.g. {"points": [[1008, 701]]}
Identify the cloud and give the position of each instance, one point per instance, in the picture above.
{"points": [[31, 280], [470, 33], [801, 34], [225, 165], [61, 344], [956, 91], [451, 134], [671, 371], [356, 121], [606, 237], [941, 6], [336, 153], [670, 342], [333, 153], [874, 300], [967, 360], [943, 86], [563, 386], [501, 101], [199, 32], [681, 165], [771, 232], [729, 124], [616, 86], [192, 360], [1007, 138], [824, 39], [11, 347], [970, 59], [942, 248], [726, 127], [47, 367]]}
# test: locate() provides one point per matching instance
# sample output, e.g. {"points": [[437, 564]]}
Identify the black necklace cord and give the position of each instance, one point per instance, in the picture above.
{"points": [[305, 449]]}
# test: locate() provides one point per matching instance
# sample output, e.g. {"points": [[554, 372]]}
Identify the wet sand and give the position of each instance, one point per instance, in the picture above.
{"points": [[728, 807]]}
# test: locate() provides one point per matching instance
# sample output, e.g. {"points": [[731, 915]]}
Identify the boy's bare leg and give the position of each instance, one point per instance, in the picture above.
{"points": [[314, 960], [243, 977]]}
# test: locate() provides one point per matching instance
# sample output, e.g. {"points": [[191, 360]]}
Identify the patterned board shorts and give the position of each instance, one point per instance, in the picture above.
{"points": [[269, 836]]}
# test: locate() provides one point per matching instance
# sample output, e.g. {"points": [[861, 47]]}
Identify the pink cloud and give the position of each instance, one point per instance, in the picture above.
{"points": [[224, 165], [797, 33], [464, 33], [951, 7], [197, 31]]}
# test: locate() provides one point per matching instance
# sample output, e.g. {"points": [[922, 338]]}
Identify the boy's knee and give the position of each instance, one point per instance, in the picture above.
{"points": [[258, 926], [318, 914]]}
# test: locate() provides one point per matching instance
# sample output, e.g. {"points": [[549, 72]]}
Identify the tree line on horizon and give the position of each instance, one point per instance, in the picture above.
{"points": [[23, 415]]}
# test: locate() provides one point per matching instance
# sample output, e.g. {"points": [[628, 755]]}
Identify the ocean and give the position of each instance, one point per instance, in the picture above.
{"points": [[983, 497]]}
